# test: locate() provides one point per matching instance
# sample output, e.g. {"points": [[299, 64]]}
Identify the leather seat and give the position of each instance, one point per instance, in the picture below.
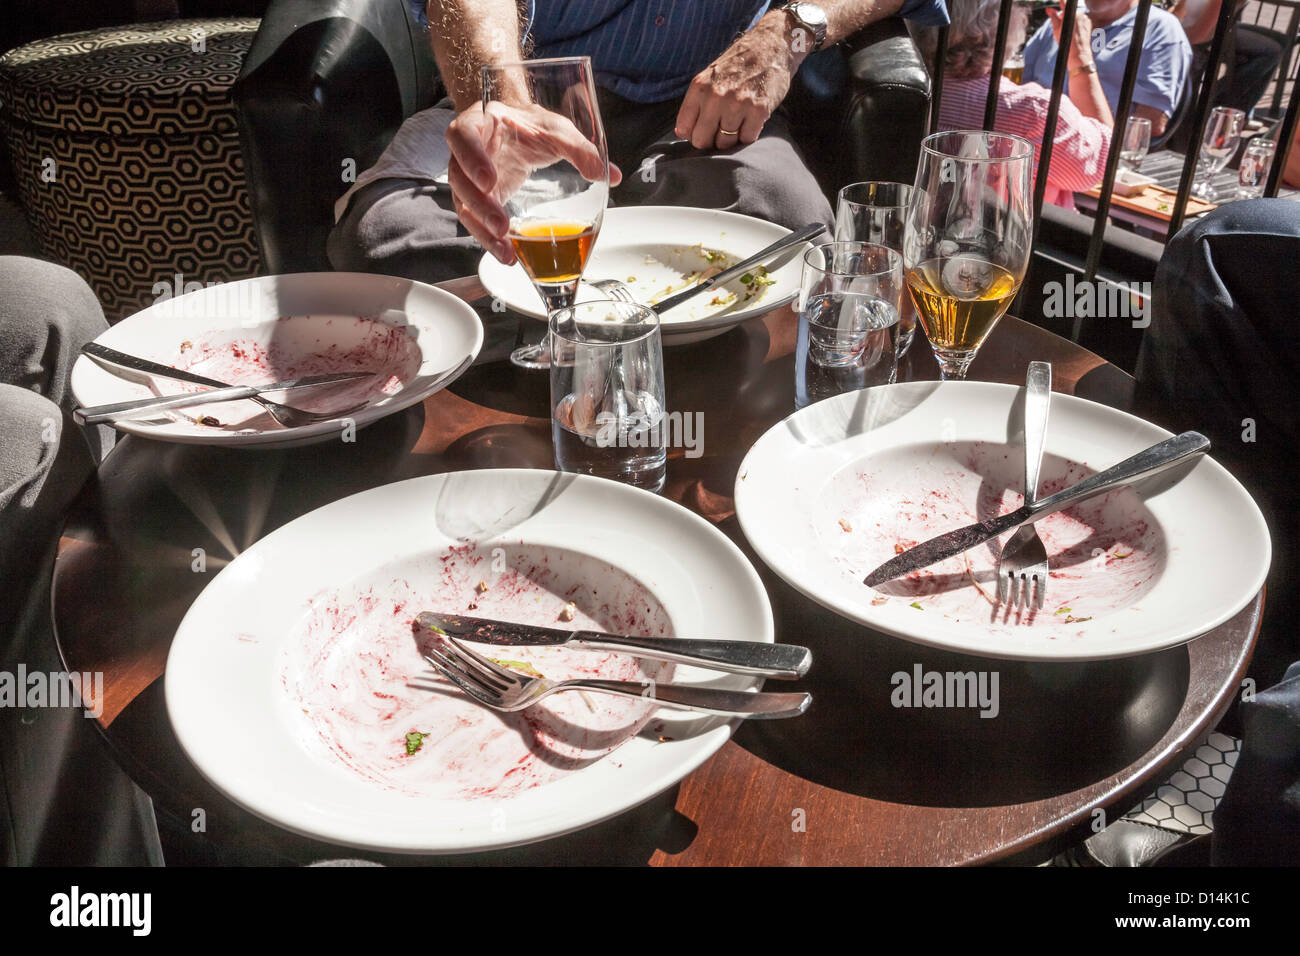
{"points": [[328, 82]]}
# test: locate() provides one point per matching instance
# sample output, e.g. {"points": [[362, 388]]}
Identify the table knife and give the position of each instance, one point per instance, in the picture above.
{"points": [[146, 407], [726, 275], [1150, 461], [782, 661]]}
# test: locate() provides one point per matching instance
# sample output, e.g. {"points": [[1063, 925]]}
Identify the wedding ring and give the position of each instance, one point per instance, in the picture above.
{"points": [[728, 132]]}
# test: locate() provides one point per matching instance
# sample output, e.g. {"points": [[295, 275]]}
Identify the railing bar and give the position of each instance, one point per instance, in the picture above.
{"points": [[936, 92], [999, 57], [1122, 109], [1282, 148], [1201, 113], [1059, 75]]}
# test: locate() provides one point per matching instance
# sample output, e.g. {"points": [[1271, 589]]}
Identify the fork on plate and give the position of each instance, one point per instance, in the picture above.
{"points": [[503, 689], [1022, 566]]}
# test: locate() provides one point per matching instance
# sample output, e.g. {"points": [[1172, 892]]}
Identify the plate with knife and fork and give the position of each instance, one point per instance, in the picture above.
{"points": [[902, 507], [275, 361], [473, 660], [652, 253]]}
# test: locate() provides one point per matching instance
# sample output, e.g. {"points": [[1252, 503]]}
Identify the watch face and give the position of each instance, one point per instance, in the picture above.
{"points": [[812, 18]]}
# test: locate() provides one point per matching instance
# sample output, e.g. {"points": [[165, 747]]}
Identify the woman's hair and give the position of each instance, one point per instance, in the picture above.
{"points": [[971, 36]]}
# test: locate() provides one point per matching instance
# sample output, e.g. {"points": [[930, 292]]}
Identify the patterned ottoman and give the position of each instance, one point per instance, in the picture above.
{"points": [[125, 145]]}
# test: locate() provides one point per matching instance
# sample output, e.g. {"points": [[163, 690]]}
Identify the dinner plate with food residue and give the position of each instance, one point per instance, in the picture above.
{"points": [[295, 686], [413, 337], [841, 486], [657, 251]]}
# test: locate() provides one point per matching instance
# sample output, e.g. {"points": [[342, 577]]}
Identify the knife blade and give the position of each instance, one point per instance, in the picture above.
{"points": [[1149, 461], [781, 661], [145, 407]]}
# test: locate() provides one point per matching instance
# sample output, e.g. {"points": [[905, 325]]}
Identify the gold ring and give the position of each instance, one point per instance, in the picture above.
{"points": [[728, 132]]}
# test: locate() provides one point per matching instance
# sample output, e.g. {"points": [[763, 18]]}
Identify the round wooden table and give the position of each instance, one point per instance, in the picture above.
{"points": [[853, 781]]}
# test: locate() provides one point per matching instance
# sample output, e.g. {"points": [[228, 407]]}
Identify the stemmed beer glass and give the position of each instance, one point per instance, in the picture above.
{"points": [[967, 242], [548, 148]]}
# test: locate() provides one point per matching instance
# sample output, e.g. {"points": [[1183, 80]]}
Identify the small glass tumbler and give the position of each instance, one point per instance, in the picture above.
{"points": [[848, 319], [1137, 140], [1256, 162], [877, 212], [607, 392]]}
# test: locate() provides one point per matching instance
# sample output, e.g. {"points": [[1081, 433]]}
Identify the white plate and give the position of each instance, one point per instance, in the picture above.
{"points": [[651, 248], [272, 677], [278, 327], [902, 463]]}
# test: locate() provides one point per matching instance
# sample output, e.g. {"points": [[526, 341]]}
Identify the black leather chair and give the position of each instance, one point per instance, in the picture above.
{"points": [[328, 82]]}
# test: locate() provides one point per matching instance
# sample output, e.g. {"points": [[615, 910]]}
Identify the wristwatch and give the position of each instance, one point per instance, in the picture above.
{"points": [[810, 18], [1089, 67]]}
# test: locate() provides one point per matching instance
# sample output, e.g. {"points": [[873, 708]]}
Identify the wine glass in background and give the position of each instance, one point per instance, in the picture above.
{"points": [[877, 212], [966, 246], [1137, 140], [552, 164], [1221, 139], [1256, 161]]}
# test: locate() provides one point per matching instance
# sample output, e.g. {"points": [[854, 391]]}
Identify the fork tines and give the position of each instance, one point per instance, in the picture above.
{"points": [[1022, 587]]}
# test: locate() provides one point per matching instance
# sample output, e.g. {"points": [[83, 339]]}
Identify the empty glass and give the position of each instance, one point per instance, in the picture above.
{"points": [[1256, 162], [607, 392], [1137, 140], [1221, 139], [877, 212], [848, 319]]}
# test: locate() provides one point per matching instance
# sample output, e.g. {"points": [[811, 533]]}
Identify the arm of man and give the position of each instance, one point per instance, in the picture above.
{"points": [[1162, 74], [468, 34], [1084, 85], [732, 98]]}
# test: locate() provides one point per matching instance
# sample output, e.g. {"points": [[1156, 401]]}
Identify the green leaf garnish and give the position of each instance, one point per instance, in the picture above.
{"points": [[414, 741], [1063, 610], [917, 606]]}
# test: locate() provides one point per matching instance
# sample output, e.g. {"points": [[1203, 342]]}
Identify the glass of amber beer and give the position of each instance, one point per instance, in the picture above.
{"points": [[548, 148], [970, 224]]}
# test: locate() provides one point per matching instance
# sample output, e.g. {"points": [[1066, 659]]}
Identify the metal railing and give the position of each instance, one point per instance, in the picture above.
{"points": [[1203, 89]]}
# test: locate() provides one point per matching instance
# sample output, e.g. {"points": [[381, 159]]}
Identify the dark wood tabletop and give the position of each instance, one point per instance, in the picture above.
{"points": [[854, 781]]}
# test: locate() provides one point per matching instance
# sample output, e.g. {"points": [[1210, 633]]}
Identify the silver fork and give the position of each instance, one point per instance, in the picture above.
{"points": [[616, 290], [1023, 563], [501, 689]]}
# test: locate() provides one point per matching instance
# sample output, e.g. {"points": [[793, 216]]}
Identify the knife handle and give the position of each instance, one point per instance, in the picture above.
{"points": [[726, 275], [782, 661], [146, 407], [1149, 461], [723, 703]]}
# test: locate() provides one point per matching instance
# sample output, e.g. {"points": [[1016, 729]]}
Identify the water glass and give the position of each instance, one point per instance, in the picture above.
{"points": [[1137, 140], [607, 392], [1256, 162], [877, 212], [1221, 139], [848, 319]]}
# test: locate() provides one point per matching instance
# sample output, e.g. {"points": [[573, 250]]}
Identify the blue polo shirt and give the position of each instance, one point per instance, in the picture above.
{"points": [[648, 51], [1163, 68]]}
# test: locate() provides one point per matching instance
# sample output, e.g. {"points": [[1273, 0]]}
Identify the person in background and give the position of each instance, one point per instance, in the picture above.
{"points": [[1102, 35], [1256, 52], [1084, 123], [693, 87]]}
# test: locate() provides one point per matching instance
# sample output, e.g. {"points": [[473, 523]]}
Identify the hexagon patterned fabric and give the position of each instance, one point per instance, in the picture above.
{"points": [[125, 145]]}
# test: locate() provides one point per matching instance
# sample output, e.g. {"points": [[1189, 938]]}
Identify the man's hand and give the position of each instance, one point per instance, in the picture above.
{"points": [[729, 101], [493, 153], [1081, 49]]}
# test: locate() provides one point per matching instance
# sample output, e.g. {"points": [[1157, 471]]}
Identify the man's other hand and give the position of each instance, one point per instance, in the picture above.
{"points": [[730, 100]]}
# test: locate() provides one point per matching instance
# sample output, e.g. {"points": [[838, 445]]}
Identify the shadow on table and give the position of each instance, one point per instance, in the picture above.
{"points": [[1058, 727]]}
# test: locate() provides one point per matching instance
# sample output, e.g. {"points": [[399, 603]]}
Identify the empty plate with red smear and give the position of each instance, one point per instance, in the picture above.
{"points": [[295, 686], [276, 328], [844, 485]]}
